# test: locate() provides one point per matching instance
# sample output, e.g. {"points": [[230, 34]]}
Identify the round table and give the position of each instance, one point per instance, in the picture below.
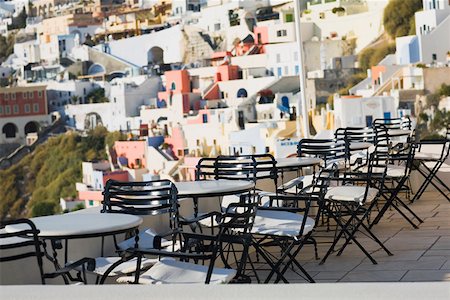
{"points": [[211, 188], [207, 188], [297, 162], [73, 226], [77, 226]]}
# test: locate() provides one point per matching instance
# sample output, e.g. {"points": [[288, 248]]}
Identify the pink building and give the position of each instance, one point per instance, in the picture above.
{"points": [[177, 82], [134, 151]]}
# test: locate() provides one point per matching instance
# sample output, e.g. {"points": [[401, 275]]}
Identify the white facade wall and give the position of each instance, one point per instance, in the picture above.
{"points": [[252, 86], [27, 52], [248, 141], [205, 134], [352, 112], [283, 59], [366, 27], [436, 43], [60, 93], [20, 123], [173, 47], [125, 98], [50, 50]]}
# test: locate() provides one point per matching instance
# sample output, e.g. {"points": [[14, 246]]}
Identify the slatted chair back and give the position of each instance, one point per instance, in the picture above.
{"points": [[21, 244], [330, 150], [403, 123], [142, 198]]}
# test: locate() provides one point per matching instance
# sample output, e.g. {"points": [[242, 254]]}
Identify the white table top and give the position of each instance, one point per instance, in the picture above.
{"points": [[78, 225], [289, 162], [207, 187]]}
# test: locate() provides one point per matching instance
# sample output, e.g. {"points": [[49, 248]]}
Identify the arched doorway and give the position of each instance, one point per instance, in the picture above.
{"points": [[10, 130], [242, 93], [96, 69], [31, 127], [155, 56], [92, 120]]}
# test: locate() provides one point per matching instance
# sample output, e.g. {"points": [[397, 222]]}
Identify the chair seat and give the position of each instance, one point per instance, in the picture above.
{"points": [[427, 156], [280, 223], [102, 264], [291, 186], [351, 193], [172, 271], [146, 241], [444, 168], [395, 171]]}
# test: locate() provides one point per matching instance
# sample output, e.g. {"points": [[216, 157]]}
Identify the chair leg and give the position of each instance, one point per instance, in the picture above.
{"points": [[344, 229], [360, 222], [428, 178]]}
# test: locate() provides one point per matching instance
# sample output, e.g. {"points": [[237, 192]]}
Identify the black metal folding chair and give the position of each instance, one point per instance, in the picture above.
{"points": [[146, 198], [403, 123], [26, 243], [351, 204], [429, 164], [253, 168], [188, 264], [287, 222], [400, 162]]}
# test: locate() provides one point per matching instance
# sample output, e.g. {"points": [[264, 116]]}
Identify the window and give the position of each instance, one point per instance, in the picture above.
{"points": [[24, 95], [30, 95], [282, 32], [297, 69], [36, 107], [7, 110], [279, 72], [278, 58], [13, 96], [40, 94], [205, 118], [6, 96], [217, 27], [1, 110], [434, 56], [16, 109], [286, 70], [27, 108], [296, 56], [91, 202]]}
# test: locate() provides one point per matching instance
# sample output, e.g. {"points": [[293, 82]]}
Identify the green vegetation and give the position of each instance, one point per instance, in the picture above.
{"points": [[398, 17], [20, 21], [372, 56], [6, 46], [432, 127], [97, 96], [34, 186]]}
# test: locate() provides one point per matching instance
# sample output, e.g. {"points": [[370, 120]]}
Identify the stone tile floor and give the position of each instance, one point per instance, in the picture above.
{"points": [[419, 254]]}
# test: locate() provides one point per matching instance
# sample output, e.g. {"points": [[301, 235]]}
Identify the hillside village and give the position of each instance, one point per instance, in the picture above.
{"points": [[186, 79]]}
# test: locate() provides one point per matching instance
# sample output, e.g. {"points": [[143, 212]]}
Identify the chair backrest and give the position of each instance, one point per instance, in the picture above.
{"points": [[329, 150], [355, 134], [142, 198], [237, 167], [403, 123], [21, 244]]}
